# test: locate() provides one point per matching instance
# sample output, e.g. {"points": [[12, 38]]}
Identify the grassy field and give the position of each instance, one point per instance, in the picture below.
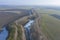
{"points": [[9, 16], [11, 30], [50, 25]]}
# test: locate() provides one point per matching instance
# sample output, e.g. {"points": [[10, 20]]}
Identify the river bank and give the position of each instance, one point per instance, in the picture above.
{"points": [[19, 31]]}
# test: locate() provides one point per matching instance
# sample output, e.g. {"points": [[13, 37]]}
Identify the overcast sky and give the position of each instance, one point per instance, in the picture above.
{"points": [[30, 2]]}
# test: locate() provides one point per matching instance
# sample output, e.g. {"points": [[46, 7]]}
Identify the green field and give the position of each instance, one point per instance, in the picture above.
{"points": [[50, 26]]}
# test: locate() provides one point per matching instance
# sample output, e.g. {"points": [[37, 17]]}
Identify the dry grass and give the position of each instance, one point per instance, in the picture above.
{"points": [[8, 17]]}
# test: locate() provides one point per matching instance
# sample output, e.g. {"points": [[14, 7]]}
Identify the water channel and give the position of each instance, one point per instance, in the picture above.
{"points": [[27, 29], [3, 34]]}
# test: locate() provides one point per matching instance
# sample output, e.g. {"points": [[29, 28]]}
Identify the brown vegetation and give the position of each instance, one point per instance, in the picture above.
{"points": [[8, 17]]}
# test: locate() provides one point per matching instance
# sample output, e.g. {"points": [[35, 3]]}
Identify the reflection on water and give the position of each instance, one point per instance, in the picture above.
{"points": [[29, 23], [27, 29], [3, 34]]}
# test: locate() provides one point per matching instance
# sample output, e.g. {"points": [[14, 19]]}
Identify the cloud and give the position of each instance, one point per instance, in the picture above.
{"points": [[30, 2]]}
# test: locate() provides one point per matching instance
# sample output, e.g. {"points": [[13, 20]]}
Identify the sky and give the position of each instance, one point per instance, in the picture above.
{"points": [[30, 2]]}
